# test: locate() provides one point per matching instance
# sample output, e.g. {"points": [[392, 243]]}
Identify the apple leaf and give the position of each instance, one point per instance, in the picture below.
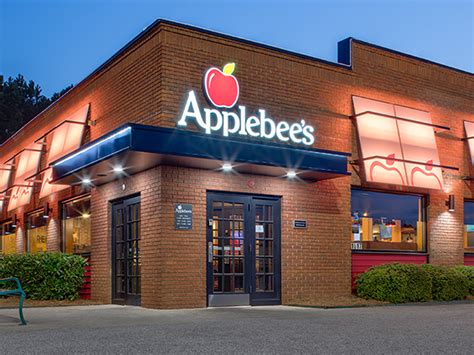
{"points": [[229, 68]]}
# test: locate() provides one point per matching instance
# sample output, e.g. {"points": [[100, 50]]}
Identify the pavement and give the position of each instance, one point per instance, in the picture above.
{"points": [[440, 329]]}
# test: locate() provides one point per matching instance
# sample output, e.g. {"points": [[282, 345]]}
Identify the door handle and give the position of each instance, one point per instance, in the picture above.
{"points": [[209, 252]]}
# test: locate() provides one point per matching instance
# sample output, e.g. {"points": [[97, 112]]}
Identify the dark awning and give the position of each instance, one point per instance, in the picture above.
{"points": [[137, 147]]}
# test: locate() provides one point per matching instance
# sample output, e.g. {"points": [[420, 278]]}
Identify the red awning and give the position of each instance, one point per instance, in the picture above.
{"points": [[398, 144], [67, 137]]}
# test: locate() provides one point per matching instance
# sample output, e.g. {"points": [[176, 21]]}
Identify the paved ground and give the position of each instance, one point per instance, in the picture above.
{"points": [[116, 329]]}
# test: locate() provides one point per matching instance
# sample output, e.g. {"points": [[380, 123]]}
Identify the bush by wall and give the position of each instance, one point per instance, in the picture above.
{"points": [[448, 283], [468, 271], [398, 283], [46, 276]]}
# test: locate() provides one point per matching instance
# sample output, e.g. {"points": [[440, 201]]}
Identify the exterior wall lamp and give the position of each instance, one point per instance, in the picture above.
{"points": [[46, 210], [450, 203], [15, 221]]}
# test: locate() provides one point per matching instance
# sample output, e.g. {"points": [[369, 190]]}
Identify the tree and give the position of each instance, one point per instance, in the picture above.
{"points": [[20, 101]]}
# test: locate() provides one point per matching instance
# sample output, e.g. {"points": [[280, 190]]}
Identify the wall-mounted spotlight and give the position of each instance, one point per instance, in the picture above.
{"points": [[86, 181], [15, 221], [226, 167], [118, 169], [47, 210], [291, 174], [450, 203]]}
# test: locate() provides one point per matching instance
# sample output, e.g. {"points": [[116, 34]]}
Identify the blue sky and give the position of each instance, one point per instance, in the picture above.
{"points": [[59, 42]]}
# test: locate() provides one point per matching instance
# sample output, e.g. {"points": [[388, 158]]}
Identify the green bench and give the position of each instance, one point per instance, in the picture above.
{"points": [[18, 291]]}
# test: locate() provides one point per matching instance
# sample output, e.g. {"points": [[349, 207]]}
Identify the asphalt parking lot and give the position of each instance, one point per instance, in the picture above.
{"points": [[278, 329]]}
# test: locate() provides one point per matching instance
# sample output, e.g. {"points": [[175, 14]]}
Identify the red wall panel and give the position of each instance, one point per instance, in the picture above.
{"points": [[469, 259], [362, 262]]}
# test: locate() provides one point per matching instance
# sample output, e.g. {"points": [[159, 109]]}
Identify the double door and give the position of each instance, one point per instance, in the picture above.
{"points": [[243, 250], [126, 263]]}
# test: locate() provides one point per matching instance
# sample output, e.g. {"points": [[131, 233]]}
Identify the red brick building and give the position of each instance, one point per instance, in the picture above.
{"points": [[197, 169]]}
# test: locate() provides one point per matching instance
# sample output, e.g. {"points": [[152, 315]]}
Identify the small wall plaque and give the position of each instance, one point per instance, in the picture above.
{"points": [[300, 223], [183, 216]]}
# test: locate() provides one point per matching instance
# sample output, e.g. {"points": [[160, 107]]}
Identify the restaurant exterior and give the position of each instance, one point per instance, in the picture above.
{"points": [[196, 169]]}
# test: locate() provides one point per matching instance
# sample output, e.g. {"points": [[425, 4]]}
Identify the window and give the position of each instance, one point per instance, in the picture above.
{"points": [[387, 221], [7, 238], [36, 233], [76, 226], [469, 225]]}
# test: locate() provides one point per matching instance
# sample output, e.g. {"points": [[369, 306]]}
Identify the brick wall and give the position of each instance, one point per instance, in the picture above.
{"points": [[315, 261]]}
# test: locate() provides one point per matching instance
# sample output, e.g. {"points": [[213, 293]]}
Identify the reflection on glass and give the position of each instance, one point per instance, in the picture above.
{"points": [[469, 226], [386, 221], [228, 246], [36, 233], [77, 226], [7, 238]]}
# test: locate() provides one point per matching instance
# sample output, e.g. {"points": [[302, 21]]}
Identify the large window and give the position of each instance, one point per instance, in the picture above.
{"points": [[469, 226], [76, 226], [7, 238], [387, 221], [36, 233]]}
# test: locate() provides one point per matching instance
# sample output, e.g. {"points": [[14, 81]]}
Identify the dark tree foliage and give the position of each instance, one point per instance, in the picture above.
{"points": [[20, 101]]}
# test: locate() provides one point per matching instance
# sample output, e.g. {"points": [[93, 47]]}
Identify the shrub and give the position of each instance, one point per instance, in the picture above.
{"points": [[468, 271], [46, 276], [448, 283], [396, 283]]}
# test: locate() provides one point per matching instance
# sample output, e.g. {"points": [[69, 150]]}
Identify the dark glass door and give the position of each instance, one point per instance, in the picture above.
{"points": [[126, 279], [243, 250]]}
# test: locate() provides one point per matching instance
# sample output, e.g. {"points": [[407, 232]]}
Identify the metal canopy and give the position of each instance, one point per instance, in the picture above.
{"points": [[136, 147]]}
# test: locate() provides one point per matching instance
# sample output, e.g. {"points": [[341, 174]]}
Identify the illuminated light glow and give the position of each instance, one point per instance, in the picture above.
{"points": [[27, 165], [86, 181], [118, 169], [85, 215], [65, 139], [291, 174], [226, 167], [469, 128], [396, 139], [257, 126], [113, 136]]}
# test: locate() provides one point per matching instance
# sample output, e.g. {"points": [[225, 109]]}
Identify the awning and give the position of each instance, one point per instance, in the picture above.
{"points": [[135, 148]]}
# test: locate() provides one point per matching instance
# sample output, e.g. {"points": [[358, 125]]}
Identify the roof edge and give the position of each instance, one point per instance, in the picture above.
{"points": [[347, 54]]}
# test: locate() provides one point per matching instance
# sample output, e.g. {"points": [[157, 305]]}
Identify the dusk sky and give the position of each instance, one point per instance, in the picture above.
{"points": [[56, 43]]}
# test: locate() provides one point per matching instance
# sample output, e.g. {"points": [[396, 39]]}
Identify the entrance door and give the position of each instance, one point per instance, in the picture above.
{"points": [[243, 250], [126, 280]]}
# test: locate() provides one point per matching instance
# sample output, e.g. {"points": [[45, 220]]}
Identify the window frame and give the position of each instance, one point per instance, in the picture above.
{"points": [[469, 251], [62, 218], [424, 214]]}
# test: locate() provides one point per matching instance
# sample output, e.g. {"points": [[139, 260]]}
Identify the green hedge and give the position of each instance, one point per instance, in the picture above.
{"points": [[395, 283], [399, 283], [46, 276], [468, 271], [448, 284]]}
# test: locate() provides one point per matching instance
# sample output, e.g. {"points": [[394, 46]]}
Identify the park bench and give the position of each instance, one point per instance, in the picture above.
{"points": [[18, 291]]}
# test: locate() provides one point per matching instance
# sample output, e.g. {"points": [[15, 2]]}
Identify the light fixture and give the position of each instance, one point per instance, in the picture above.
{"points": [[226, 167], [450, 203], [291, 174], [15, 221], [86, 181], [86, 215], [365, 214], [118, 169], [46, 210]]}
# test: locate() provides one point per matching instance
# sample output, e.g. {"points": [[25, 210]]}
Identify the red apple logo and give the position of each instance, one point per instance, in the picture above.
{"points": [[222, 88]]}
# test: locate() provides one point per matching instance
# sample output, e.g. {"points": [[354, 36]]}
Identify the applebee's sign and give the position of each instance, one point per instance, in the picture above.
{"points": [[222, 90]]}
